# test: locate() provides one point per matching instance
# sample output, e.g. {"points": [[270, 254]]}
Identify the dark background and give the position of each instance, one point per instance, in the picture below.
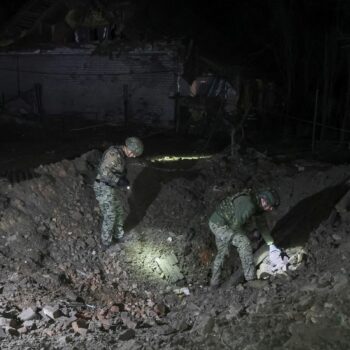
{"points": [[302, 46]]}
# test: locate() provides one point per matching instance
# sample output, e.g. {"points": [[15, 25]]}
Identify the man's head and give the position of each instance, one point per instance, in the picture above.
{"points": [[133, 147], [268, 199]]}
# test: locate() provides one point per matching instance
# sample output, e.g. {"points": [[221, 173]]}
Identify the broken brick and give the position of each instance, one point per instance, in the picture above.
{"points": [[161, 309], [127, 321], [52, 312], [23, 330], [80, 326], [105, 322], [114, 309]]}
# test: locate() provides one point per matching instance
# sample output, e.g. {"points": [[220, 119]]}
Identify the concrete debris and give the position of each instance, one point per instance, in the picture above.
{"points": [[30, 325], [8, 322], [52, 312], [59, 288], [204, 325], [80, 326], [127, 335], [169, 267], [22, 330], [66, 322], [27, 315], [127, 321], [234, 311], [106, 323], [2, 333]]}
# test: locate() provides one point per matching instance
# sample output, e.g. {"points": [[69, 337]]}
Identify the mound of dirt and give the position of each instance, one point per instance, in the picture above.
{"points": [[59, 289]]}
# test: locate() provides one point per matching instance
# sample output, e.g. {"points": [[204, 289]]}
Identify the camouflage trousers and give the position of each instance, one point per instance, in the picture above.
{"points": [[112, 212], [224, 235]]}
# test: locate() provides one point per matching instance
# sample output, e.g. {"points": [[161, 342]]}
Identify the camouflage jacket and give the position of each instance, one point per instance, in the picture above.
{"points": [[112, 166], [241, 211]]}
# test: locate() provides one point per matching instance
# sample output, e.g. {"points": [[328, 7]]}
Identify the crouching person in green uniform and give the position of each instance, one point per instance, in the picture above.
{"points": [[110, 179], [229, 223]]}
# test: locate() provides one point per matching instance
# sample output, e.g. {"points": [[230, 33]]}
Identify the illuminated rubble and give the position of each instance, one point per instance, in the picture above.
{"points": [[59, 289]]}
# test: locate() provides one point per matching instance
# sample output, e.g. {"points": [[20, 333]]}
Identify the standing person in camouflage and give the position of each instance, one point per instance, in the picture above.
{"points": [[228, 223], [110, 179]]}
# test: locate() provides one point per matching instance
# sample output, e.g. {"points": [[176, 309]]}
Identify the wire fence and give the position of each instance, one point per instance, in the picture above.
{"points": [[87, 74]]}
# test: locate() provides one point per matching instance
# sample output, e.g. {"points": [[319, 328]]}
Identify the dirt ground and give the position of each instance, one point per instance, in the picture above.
{"points": [[60, 290]]}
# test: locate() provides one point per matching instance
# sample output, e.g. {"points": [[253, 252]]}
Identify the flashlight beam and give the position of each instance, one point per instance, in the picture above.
{"points": [[177, 158]]}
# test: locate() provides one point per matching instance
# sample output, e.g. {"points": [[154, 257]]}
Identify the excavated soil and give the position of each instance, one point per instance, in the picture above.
{"points": [[60, 290]]}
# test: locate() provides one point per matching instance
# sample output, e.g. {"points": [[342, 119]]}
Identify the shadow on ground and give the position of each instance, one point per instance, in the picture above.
{"points": [[295, 227], [148, 184]]}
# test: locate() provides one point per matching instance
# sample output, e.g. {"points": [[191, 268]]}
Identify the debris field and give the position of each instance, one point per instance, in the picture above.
{"points": [[60, 290]]}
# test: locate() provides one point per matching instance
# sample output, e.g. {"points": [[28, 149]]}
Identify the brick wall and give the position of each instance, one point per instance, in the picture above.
{"points": [[75, 82]]}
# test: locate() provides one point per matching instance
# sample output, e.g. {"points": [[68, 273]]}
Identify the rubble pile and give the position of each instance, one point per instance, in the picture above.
{"points": [[59, 289], [307, 308]]}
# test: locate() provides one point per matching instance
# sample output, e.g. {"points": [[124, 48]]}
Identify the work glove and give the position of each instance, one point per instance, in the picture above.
{"points": [[275, 257], [123, 182], [119, 233]]}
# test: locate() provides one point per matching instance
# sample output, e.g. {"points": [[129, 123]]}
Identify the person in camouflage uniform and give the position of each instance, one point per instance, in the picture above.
{"points": [[229, 223], [111, 177]]}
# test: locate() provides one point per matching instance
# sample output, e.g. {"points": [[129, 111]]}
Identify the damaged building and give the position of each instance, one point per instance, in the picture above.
{"points": [[125, 87], [174, 176], [129, 84]]}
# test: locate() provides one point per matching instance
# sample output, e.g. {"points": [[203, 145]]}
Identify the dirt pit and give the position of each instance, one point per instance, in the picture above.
{"points": [[60, 290]]}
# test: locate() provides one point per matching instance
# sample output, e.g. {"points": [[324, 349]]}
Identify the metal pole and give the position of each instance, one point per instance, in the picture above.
{"points": [[18, 78], [314, 121], [2, 100], [126, 100]]}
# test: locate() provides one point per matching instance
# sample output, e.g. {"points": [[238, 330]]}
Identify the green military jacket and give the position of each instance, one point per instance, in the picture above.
{"points": [[240, 211], [112, 166]]}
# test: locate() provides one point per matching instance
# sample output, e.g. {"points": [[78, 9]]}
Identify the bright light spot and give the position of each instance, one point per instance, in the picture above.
{"points": [[177, 158], [183, 290], [154, 261]]}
